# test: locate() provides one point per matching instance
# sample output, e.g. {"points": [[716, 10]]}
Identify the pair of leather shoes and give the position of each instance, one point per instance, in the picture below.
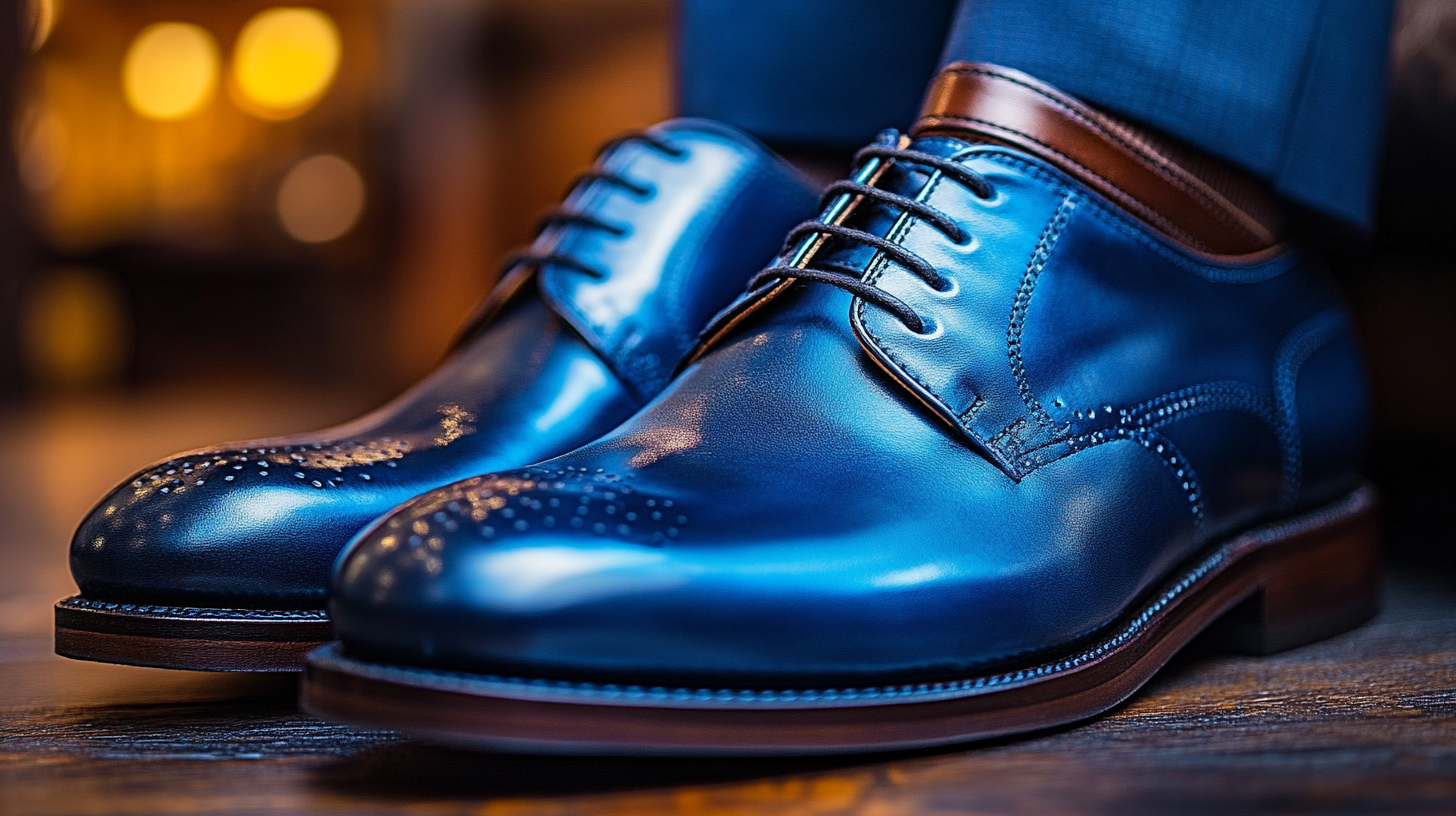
{"points": [[219, 558], [1038, 397]]}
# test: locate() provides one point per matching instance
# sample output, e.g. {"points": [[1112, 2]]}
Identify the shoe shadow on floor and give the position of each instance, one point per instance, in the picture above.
{"points": [[409, 770], [412, 768], [405, 768]]}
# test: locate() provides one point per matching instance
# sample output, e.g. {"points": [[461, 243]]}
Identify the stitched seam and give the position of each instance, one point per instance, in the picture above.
{"points": [[645, 375], [1183, 403], [874, 271], [1140, 423], [1158, 168], [1017, 326], [1123, 197], [1301, 344], [1221, 556], [1177, 465], [195, 611], [912, 690], [1213, 273]]}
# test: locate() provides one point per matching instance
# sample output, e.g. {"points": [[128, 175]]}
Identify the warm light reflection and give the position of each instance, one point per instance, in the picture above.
{"points": [[39, 18], [320, 199], [284, 60], [170, 71], [41, 142]]}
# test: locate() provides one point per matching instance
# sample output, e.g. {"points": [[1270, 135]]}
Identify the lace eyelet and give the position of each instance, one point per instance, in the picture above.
{"points": [[949, 287], [645, 192], [929, 329]]}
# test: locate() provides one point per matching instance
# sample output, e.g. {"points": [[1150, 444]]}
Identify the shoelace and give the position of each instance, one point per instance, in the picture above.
{"points": [[560, 216], [837, 197]]}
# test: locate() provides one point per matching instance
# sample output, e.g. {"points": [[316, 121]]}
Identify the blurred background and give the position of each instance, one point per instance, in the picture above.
{"points": [[227, 219], [230, 218]]}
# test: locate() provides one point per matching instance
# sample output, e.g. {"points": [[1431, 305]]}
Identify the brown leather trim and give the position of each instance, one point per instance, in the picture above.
{"points": [[1191, 202]]}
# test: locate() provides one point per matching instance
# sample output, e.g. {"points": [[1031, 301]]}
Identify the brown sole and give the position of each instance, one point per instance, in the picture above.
{"points": [[1273, 588], [192, 638]]}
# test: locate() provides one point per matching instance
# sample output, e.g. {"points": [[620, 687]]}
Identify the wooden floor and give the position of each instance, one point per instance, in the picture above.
{"points": [[1363, 723]]}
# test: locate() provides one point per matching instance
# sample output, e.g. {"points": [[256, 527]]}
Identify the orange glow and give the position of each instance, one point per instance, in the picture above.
{"points": [[284, 61], [42, 139], [320, 199], [75, 328], [39, 18], [170, 71]]}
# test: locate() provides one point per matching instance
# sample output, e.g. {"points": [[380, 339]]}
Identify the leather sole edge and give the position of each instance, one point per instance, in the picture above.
{"points": [[188, 638], [1273, 588]]}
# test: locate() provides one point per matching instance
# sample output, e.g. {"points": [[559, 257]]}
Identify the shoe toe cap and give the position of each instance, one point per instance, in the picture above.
{"points": [[219, 527], [496, 568]]}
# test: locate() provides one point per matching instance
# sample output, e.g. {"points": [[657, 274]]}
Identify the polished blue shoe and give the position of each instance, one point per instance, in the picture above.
{"points": [[1038, 398], [219, 558]]}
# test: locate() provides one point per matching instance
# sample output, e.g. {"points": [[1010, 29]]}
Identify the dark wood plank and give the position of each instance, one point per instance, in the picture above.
{"points": [[1365, 722]]}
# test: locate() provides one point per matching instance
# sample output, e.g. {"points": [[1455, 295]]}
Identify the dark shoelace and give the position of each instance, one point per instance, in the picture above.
{"points": [[560, 217], [850, 280]]}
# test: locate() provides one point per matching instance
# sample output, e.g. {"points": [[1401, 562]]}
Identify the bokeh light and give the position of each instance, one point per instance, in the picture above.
{"points": [[284, 60], [42, 139], [320, 199], [75, 328], [170, 71], [38, 18]]}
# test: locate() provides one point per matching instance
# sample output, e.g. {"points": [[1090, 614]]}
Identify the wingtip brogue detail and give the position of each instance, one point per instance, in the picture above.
{"points": [[585, 326], [991, 440]]}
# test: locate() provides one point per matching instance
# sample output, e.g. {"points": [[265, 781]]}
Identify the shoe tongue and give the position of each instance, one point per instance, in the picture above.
{"points": [[1188, 195]]}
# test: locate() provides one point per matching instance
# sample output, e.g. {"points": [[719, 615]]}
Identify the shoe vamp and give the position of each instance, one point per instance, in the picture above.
{"points": [[783, 514], [262, 521]]}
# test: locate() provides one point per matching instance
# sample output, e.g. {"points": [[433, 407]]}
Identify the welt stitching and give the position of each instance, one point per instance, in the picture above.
{"points": [[196, 611], [1221, 556], [1137, 150], [1301, 344], [1014, 330], [1214, 562]]}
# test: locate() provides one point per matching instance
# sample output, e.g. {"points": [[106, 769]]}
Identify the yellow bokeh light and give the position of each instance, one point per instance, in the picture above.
{"points": [[75, 328], [284, 60], [320, 199], [38, 18], [170, 71]]}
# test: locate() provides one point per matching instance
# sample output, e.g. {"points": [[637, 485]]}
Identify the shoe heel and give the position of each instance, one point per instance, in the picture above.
{"points": [[1318, 583]]}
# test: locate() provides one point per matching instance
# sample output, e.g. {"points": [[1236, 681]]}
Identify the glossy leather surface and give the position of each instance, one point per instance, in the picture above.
{"points": [[827, 497], [559, 358]]}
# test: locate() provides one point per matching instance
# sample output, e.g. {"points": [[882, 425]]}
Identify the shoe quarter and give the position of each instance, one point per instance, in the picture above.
{"points": [[1069, 326], [712, 216], [959, 367]]}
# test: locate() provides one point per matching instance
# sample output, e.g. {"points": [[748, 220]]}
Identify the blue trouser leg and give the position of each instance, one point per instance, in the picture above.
{"points": [[1291, 90], [809, 73]]}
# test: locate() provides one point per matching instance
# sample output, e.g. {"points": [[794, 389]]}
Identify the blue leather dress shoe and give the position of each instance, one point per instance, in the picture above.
{"points": [[219, 558], [1038, 398]]}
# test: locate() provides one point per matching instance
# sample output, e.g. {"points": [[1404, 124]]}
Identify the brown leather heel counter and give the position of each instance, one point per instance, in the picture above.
{"points": [[1189, 196]]}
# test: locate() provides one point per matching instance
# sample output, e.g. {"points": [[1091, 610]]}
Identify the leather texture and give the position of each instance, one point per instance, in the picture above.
{"points": [[825, 497], [1113, 157], [557, 358]]}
